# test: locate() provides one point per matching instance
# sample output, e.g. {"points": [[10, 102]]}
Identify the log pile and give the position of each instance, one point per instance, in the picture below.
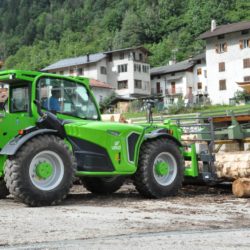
{"points": [[233, 165]]}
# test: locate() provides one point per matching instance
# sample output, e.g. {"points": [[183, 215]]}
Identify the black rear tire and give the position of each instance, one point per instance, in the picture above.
{"points": [[32, 187], [103, 185], [3, 189], [152, 184]]}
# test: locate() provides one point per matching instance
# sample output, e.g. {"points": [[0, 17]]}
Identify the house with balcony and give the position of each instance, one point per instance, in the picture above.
{"points": [[183, 80], [228, 60], [124, 71]]}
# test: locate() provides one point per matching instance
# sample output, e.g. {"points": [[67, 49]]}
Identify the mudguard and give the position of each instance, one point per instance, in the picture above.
{"points": [[161, 133], [13, 145]]}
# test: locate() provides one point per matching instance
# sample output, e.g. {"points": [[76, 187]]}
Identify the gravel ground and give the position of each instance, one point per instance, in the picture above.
{"points": [[199, 217]]}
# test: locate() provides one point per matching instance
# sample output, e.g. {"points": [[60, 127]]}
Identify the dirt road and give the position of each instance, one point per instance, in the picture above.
{"points": [[198, 218]]}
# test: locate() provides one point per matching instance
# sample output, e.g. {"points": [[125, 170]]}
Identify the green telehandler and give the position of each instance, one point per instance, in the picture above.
{"points": [[51, 131]]}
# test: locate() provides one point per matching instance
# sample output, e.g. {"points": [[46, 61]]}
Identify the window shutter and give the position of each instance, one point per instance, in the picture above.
{"points": [[225, 47], [241, 44], [248, 43]]}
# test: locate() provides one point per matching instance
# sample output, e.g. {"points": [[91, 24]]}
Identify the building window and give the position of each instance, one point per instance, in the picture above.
{"points": [[221, 66], [199, 71], [205, 73], [71, 71], [199, 85], [145, 68], [221, 47], [103, 70], [140, 57], [173, 74], [247, 79], [134, 55], [61, 72], [122, 84], [80, 71], [137, 67], [110, 57], [158, 87], [246, 63], [244, 32], [244, 44], [138, 84], [222, 85], [173, 88], [100, 98], [122, 55], [122, 68], [221, 36], [198, 61]]}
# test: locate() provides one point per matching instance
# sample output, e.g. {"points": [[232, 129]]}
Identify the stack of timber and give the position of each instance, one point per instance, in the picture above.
{"points": [[233, 165]]}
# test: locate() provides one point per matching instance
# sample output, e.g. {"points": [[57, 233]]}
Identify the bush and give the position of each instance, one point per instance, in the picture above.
{"points": [[240, 96], [176, 108], [107, 102]]}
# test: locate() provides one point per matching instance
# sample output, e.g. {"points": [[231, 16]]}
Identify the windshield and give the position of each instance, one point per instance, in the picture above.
{"points": [[66, 97]]}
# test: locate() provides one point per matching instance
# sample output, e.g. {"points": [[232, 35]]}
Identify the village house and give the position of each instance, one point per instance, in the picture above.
{"points": [[124, 71], [183, 80], [228, 60]]}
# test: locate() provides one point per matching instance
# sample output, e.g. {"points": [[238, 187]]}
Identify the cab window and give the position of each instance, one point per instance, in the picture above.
{"points": [[66, 97], [19, 101]]}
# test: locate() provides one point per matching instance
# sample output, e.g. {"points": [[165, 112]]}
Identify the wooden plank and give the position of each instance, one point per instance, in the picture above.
{"points": [[239, 118], [246, 140], [225, 141]]}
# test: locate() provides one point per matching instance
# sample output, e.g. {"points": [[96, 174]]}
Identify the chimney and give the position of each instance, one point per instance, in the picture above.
{"points": [[213, 25], [88, 57], [171, 62]]}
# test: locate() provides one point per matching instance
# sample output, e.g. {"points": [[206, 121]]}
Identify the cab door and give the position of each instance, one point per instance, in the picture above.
{"points": [[17, 114]]}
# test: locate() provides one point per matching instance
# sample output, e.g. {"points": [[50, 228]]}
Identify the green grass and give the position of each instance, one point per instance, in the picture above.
{"points": [[134, 115], [205, 111]]}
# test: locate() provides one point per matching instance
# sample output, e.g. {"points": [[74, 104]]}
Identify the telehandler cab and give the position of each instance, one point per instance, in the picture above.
{"points": [[43, 148]]}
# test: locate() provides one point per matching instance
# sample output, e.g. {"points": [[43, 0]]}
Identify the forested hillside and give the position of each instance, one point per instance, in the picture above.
{"points": [[35, 33]]}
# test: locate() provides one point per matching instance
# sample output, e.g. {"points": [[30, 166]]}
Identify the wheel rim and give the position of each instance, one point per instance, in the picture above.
{"points": [[165, 168], [46, 170]]}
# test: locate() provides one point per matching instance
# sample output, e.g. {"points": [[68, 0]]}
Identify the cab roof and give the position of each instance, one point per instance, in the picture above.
{"points": [[12, 76]]}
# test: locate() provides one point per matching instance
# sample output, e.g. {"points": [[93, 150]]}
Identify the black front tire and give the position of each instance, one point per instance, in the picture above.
{"points": [[32, 189], [147, 182], [3, 189], [103, 185]]}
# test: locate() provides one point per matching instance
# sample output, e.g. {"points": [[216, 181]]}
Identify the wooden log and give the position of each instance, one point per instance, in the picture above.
{"points": [[233, 165], [241, 187]]}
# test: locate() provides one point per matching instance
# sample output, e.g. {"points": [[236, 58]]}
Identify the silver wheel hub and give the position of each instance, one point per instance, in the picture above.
{"points": [[169, 174], [49, 180]]}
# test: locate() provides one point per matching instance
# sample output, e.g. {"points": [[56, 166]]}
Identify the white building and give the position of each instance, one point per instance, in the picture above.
{"points": [[126, 71], [183, 80], [228, 59]]}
